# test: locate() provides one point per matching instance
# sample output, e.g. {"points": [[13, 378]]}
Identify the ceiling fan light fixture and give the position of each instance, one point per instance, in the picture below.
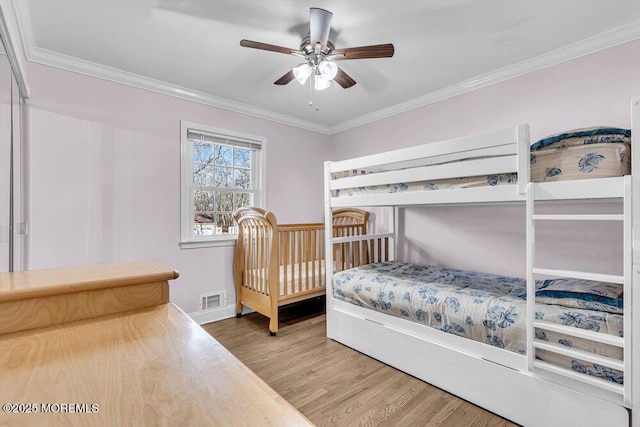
{"points": [[319, 52], [321, 83], [302, 73], [328, 69]]}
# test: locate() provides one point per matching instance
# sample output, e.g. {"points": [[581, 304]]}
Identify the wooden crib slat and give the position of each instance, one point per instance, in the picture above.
{"points": [[299, 259], [291, 256], [322, 249], [261, 259], [254, 259], [312, 261], [250, 255], [251, 258], [284, 259], [292, 259], [309, 259], [353, 259]]}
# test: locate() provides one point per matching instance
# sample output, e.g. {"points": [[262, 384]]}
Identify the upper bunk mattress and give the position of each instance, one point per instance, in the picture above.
{"points": [[600, 152], [582, 154], [483, 307]]}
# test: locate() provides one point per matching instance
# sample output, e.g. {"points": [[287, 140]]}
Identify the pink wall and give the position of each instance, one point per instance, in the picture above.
{"points": [[105, 182], [105, 161], [588, 91]]}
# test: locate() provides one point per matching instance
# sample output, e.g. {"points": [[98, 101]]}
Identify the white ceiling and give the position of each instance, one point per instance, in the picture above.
{"points": [[190, 48]]}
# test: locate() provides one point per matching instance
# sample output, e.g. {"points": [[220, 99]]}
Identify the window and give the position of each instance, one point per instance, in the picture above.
{"points": [[221, 171]]}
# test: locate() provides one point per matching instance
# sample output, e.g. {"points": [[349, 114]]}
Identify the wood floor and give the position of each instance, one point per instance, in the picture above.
{"points": [[331, 384]]}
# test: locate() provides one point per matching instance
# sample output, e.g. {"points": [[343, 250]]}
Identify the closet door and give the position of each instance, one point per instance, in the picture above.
{"points": [[12, 178], [5, 161], [18, 197]]}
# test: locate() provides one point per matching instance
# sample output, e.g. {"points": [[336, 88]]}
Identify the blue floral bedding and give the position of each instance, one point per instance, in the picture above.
{"points": [[483, 307]]}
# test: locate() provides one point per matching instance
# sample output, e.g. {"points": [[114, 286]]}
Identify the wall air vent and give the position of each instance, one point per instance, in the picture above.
{"points": [[213, 300]]}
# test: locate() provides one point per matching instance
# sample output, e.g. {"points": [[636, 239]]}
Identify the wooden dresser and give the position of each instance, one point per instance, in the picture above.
{"points": [[102, 345]]}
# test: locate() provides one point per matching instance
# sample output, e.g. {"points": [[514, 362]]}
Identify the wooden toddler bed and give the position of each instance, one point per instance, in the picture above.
{"points": [[278, 264]]}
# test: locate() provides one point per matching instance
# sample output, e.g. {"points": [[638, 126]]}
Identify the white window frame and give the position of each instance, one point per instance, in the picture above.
{"points": [[187, 239]]}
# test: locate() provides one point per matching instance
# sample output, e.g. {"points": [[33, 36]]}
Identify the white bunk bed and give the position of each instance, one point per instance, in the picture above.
{"points": [[516, 386]]}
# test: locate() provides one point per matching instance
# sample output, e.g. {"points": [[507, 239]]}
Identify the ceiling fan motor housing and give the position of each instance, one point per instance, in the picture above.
{"points": [[308, 49]]}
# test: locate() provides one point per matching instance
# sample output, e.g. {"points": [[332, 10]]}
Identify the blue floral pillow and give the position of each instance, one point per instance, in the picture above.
{"points": [[586, 294]]}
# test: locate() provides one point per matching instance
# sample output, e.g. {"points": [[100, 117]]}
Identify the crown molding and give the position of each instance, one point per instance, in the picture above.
{"points": [[54, 59], [602, 41], [9, 48]]}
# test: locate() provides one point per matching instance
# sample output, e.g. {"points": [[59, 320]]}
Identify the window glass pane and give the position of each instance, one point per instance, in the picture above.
{"points": [[202, 152], [203, 174], [203, 202], [224, 155], [241, 158], [224, 203], [198, 177], [224, 220], [200, 229], [241, 200], [208, 174], [242, 178], [223, 177]]}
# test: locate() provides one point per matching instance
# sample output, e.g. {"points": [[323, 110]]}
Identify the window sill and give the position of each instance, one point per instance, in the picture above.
{"points": [[195, 244]]}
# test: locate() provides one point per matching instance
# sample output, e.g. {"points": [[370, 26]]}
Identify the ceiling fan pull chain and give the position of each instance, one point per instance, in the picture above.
{"points": [[310, 92]]}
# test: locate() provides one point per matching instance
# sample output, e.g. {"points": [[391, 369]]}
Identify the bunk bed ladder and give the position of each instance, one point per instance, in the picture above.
{"points": [[537, 192]]}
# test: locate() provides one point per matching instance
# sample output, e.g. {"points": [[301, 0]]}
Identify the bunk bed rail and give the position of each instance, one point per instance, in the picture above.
{"points": [[501, 152]]}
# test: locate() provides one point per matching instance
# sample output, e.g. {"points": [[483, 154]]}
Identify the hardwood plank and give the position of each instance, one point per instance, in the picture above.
{"points": [[332, 384]]}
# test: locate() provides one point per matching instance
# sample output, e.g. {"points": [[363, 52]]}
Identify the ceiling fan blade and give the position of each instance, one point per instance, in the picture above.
{"points": [[319, 26], [285, 79], [269, 47], [344, 79], [364, 52]]}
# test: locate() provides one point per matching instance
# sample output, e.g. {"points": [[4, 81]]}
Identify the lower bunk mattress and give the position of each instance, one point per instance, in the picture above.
{"points": [[490, 309]]}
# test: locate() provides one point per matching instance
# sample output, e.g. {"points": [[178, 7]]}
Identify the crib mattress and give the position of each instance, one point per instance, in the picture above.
{"points": [[552, 164], [293, 278], [483, 307]]}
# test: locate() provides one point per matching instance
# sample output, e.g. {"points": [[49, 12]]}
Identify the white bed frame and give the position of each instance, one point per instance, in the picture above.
{"points": [[516, 387]]}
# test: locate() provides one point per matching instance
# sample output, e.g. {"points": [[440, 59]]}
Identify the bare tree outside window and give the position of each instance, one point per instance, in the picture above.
{"points": [[221, 178]]}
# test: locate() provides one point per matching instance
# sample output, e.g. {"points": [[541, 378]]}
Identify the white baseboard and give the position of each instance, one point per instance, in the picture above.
{"points": [[208, 316]]}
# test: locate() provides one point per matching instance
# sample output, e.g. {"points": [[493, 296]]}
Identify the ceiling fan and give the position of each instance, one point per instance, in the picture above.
{"points": [[319, 54]]}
